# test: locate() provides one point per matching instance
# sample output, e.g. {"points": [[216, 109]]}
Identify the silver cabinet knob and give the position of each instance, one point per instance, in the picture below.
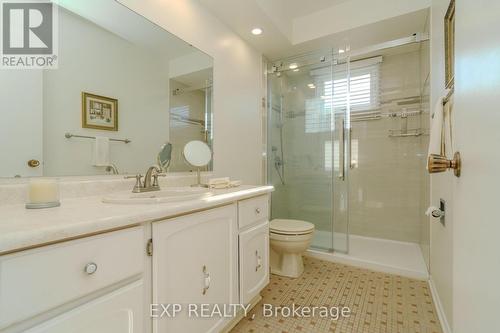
{"points": [[90, 268], [206, 280], [259, 261], [257, 210]]}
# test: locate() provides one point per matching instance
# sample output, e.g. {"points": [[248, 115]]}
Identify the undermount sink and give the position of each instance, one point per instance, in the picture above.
{"points": [[171, 194]]}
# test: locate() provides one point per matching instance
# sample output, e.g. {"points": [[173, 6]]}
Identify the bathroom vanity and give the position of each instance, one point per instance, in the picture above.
{"points": [[90, 266]]}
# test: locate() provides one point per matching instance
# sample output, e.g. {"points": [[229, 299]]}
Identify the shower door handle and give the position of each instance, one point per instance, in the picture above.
{"points": [[352, 164], [341, 175]]}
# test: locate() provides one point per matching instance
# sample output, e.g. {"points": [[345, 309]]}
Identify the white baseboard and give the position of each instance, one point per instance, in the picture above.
{"points": [[439, 307]]}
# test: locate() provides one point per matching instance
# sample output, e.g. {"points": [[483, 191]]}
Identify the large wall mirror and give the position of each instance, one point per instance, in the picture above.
{"points": [[124, 87]]}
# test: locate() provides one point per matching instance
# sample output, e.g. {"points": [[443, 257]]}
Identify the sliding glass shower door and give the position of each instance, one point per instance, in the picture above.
{"points": [[308, 150], [339, 92]]}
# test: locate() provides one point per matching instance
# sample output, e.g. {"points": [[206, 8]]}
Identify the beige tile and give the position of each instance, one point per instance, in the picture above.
{"points": [[380, 303]]}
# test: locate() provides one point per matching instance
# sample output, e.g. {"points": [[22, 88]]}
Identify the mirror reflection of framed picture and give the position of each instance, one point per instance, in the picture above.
{"points": [[449, 47], [99, 112]]}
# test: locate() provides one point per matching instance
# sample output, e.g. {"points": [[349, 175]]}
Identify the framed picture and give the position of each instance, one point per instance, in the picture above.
{"points": [[99, 112], [449, 47]]}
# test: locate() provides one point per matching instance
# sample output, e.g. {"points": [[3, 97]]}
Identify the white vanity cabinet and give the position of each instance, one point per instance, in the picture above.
{"points": [[195, 261], [114, 282], [253, 219]]}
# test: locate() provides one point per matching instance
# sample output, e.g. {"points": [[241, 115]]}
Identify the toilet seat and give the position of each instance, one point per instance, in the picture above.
{"points": [[290, 227]]}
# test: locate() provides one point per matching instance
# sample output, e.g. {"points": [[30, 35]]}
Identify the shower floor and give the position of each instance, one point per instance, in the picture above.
{"points": [[402, 258]]}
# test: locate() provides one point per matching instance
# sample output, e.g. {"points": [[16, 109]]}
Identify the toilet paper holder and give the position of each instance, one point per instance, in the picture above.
{"points": [[439, 163], [438, 213]]}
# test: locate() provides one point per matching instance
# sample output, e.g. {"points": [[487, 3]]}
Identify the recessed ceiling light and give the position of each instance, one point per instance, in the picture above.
{"points": [[293, 66], [256, 31], [341, 51]]}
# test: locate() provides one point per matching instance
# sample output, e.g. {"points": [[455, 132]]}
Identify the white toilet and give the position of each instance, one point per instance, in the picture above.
{"points": [[289, 240]]}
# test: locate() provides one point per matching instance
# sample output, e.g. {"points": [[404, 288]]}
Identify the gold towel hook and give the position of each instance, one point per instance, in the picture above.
{"points": [[439, 163]]}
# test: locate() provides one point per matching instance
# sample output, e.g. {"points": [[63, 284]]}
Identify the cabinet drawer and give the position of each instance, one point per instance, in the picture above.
{"points": [[254, 261], [38, 280], [252, 211]]}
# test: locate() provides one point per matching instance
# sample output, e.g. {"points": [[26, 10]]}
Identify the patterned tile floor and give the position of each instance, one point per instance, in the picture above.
{"points": [[379, 302]]}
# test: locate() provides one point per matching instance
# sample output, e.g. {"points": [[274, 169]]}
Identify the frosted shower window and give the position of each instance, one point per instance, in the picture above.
{"points": [[364, 95]]}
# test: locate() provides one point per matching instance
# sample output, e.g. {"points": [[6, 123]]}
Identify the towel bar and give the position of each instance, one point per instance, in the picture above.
{"points": [[69, 135]]}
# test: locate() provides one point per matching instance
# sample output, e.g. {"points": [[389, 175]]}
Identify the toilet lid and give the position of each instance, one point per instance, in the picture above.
{"points": [[290, 227]]}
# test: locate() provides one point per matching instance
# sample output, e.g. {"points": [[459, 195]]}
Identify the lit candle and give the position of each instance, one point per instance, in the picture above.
{"points": [[43, 191]]}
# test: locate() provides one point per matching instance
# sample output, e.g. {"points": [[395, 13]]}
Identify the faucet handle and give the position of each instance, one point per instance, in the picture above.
{"points": [[138, 182], [155, 178]]}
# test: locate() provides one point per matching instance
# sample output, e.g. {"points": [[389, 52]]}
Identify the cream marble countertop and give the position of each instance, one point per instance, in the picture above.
{"points": [[22, 228]]}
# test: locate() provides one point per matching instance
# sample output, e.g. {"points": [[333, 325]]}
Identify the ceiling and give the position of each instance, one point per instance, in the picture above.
{"points": [[196, 79], [297, 8], [295, 26]]}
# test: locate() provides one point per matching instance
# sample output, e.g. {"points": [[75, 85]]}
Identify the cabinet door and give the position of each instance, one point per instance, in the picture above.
{"points": [[195, 262], [117, 312], [254, 261]]}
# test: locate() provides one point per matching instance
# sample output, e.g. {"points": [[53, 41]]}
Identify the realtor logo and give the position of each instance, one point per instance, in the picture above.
{"points": [[29, 36]]}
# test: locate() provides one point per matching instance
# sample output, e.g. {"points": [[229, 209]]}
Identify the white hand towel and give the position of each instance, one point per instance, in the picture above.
{"points": [[436, 128], [101, 151]]}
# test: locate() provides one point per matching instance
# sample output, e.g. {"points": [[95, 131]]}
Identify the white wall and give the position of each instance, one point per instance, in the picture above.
{"points": [[476, 249], [425, 93], [102, 63], [441, 256], [21, 124], [237, 74]]}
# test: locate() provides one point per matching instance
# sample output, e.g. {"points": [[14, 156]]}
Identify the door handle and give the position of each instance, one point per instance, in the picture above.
{"points": [[351, 164], [341, 175], [33, 163]]}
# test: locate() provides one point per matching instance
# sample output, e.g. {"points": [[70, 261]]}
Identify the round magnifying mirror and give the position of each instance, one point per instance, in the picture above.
{"points": [[164, 156], [198, 154]]}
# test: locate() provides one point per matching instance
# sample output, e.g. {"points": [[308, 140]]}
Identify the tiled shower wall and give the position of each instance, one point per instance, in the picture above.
{"points": [[386, 186]]}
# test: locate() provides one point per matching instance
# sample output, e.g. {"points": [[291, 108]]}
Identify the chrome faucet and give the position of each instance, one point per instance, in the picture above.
{"points": [[150, 180], [112, 168]]}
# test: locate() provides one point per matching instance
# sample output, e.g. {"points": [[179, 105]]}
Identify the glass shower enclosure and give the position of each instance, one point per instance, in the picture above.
{"points": [[346, 144], [308, 145]]}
